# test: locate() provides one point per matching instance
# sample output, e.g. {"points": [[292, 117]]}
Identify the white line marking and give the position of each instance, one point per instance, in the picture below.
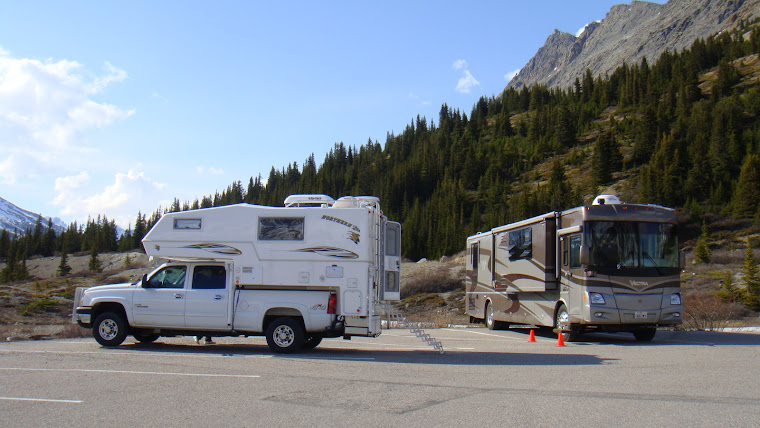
{"points": [[47, 400], [126, 372], [489, 334], [329, 358], [132, 354]]}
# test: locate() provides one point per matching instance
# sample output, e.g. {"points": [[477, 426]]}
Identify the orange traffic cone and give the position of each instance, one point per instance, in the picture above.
{"points": [[532, 337], [560, 339]]}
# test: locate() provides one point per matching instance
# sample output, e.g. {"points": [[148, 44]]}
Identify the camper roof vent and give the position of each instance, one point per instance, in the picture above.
{"points": [[309, 201], [357, 202], [607, 200]]}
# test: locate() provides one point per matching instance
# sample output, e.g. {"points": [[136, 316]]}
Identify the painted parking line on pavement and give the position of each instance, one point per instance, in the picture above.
{"points": [[44, 400], [125, 372]]}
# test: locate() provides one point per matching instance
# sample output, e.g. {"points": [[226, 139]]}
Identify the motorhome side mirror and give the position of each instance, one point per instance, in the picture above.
{"points": [[584, 254]]}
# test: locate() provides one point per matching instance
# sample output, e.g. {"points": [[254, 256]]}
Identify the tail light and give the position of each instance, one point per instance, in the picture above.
{"points": [[332, 302]]}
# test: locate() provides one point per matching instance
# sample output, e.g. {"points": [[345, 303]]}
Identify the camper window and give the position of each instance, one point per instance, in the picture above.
{"points": [[520, 244], [281, 228], [187, 224]]}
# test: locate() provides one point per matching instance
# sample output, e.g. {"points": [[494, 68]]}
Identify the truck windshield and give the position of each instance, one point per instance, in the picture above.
{"points": [[620, 245]]}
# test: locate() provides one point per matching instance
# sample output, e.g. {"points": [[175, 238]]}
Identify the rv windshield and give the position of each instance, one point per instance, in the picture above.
{"points": [[619, 245]]}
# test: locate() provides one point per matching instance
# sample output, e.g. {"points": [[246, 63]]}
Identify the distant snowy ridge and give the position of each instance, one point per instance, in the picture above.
{"points": [[18, 220]]}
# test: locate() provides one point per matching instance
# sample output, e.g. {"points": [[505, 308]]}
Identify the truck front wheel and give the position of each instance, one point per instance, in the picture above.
{"points": [[109, 329], [285, 335]]}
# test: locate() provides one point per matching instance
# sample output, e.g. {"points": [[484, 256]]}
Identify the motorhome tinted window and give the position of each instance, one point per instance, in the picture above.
{"points": [[209, 278], [187, 223], [631, 244], [520, 244], [575, 251], [281, 228]]}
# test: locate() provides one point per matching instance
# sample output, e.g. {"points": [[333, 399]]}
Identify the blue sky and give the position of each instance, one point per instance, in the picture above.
{"points": [[114, 107]]}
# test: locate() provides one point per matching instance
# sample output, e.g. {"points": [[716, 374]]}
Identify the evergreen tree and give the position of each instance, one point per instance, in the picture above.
{"points": [[751, 277], [702, 251], [94, 264], [63, 267], [747, 197]]}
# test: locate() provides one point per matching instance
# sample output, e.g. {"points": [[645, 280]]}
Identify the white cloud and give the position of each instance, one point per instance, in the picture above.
{"points": [[45, 112], [417, 98], [202, 170], [467, 81], [460, 64], [120, 201], [511, 75]]}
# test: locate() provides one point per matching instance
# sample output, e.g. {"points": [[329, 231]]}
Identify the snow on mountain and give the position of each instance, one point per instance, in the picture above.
{"points": [[18, 220]]}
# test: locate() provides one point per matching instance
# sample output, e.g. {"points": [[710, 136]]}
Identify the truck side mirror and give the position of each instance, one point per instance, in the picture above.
{"points": [[584, 254], [145, 283], [681, 260]]}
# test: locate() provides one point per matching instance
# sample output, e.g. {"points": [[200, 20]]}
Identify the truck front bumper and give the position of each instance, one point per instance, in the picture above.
{"points": [[83, 316]]}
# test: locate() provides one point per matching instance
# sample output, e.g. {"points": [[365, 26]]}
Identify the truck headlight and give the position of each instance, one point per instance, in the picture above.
{"points": [[596, 298], [675, 299]]}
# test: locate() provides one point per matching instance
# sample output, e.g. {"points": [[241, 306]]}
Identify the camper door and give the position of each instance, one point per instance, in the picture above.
{"points": [[391, 281]]}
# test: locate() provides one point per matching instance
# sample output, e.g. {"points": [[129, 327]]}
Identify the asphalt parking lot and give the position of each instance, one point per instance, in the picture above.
{"points": [[484, 378]]}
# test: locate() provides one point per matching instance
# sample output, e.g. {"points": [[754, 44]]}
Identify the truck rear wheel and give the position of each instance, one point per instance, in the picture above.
{"points": [[144, 337], [285, 335], [109, 329], [312, 341]]}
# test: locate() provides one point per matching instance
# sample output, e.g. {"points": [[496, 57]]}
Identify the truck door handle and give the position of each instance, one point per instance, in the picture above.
{"points": [[177, 296], [218, 297]]}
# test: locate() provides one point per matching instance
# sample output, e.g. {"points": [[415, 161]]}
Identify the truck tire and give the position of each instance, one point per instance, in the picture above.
{"points": [[144, 337], [644, 334], [311, 341], [285, 335], [109, 329], [570, 332]]}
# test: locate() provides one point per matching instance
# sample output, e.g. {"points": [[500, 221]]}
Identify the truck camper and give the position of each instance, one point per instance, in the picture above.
{"points": [[610, 266], [316, 268]]}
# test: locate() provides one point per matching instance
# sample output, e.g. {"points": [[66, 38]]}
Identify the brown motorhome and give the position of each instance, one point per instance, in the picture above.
{"points": [[610, 266]]}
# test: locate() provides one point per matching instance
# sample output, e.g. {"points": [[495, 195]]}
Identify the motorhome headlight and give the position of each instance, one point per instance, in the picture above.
{"points": [[675, 299], [596, 298]]}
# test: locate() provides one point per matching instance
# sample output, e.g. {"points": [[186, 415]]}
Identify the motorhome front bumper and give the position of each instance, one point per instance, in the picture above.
{"points": [[609, 316]]}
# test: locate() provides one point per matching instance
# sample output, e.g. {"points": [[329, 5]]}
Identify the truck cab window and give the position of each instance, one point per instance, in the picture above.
{"points": [[209, 278], [169, 277]]}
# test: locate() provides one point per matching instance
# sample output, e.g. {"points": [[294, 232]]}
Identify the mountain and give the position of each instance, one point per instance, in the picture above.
{"points": [[15, 219], [628, 33]]}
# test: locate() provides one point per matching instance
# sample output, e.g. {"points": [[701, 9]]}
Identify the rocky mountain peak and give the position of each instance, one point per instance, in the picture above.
{"points": [[628, 33]]}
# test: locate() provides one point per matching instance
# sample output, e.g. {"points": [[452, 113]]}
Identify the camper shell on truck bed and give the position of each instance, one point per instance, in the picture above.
{"points": [[609, 266], [317, 268]]}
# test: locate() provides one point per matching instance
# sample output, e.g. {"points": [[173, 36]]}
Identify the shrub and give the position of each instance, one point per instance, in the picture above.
{"points": [[439, 281], [704, 312]]}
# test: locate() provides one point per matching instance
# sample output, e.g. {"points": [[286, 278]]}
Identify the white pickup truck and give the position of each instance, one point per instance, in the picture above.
{"points": [[295, 275]]}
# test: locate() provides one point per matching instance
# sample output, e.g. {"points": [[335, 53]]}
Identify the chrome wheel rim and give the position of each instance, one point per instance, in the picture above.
{"points": [[283, 336], [108, 329], [489, 315]]}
